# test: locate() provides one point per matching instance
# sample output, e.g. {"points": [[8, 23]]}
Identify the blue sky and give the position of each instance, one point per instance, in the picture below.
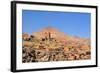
{"points": [[71, 23]]}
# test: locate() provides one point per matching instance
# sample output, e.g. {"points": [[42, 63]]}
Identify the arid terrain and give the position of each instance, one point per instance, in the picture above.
{"points": [[50, 44]]}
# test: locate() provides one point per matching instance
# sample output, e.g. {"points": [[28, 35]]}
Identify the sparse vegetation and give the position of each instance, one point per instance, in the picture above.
{"points": [[51, 47]]}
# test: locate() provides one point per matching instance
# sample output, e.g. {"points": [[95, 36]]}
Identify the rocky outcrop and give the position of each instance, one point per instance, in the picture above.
{"points": [[40, 55], [52, 45]]}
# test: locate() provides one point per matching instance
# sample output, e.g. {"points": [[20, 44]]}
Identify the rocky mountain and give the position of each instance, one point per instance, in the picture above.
{"points": [[51, 32], [50, 44]]}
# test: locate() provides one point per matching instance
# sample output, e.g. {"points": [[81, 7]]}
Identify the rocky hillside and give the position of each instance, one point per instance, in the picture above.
{"points": [[49, 44]]}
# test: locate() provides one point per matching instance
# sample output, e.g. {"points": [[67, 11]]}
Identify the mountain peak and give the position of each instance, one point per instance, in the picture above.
{"points": [[50, 28], [51, 32]]}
